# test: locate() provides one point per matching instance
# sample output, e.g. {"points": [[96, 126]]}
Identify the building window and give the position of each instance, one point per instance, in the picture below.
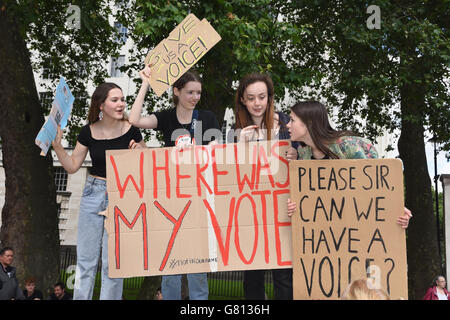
{"points": [[60, 179], [82, 69], [123, 32], [81, 99], [116, 63], [121, 4], [46, 99], [58, 206], [48, 73]]}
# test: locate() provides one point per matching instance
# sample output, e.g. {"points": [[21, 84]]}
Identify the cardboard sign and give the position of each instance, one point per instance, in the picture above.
{"points": [[176, 54], [203, 209], [345, 226]]}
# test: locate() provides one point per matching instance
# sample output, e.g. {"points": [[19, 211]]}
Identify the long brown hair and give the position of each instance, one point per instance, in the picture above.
{"points": [[190, 75], [315, 117], [98, 97], [243, 117]]}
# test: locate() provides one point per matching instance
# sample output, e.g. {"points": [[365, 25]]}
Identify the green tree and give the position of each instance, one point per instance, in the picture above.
{"points": [[42, 29], [392, 77]]}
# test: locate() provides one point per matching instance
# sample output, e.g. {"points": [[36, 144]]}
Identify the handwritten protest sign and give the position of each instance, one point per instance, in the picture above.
{"points": [[176, 54], [207, 208], [345, 226], [59, 114]]}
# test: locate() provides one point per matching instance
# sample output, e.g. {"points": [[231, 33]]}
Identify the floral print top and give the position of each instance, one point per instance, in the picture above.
{"points": [[346, 147]]}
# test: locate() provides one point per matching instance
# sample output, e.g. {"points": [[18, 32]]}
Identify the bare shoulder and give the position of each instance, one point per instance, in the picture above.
{"points": [[94, 127], [126, 126]]}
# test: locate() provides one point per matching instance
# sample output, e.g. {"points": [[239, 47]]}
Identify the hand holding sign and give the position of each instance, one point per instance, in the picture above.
{"points": [[291, 154], [146, 73], [403, 220], [58, 138]]}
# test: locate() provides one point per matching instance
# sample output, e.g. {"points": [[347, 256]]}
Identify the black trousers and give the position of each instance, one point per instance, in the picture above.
{"points": [[254, 284]]}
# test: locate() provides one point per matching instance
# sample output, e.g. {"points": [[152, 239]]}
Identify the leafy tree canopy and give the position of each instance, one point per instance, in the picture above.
{"points": [[363, 69]]}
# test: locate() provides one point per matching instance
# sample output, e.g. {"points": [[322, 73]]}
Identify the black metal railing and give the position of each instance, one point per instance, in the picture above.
{"points": [[221, 284]]}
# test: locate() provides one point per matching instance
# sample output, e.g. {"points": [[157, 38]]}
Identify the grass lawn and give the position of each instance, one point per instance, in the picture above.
{"points": [[218, 289]]}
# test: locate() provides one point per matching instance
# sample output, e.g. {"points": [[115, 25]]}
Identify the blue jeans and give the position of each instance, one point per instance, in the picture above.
{"points": [[91, 240], [197, 283]]}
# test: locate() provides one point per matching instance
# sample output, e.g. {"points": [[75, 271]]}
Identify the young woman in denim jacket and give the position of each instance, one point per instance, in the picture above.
{"points": [[107, 129]]}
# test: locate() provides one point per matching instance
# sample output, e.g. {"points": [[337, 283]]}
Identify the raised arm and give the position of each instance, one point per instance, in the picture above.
{"points": [[149, 122], [71, 163]]}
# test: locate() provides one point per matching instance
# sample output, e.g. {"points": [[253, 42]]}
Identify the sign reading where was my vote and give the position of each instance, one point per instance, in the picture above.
{"points": [[345, 228], [176, 54], [203, 209]]}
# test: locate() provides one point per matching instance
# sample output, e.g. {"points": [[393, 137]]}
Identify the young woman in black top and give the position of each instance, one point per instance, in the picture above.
{"points": [[181, 126], [107, 129]]}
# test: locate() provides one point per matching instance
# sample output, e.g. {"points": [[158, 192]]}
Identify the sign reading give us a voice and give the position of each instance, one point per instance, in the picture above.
{"points": [[176, 54]]}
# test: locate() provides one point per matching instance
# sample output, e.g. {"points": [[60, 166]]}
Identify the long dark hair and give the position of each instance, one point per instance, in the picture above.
{"points": [[315, 117], [188, 76], [243, 117], [98, 97]]}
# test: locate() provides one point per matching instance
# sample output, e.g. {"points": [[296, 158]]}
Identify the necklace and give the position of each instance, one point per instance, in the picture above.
{"points": [[182, 114], [185, 125], [113, 133]]}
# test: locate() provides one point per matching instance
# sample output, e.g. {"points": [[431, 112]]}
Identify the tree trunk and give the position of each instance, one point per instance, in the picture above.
{"points": [[422, 247], [29, 215], [217, 97], [149, 287]]}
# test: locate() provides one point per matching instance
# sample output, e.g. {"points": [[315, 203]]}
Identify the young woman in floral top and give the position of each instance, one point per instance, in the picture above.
{"points": [[310, 126]]}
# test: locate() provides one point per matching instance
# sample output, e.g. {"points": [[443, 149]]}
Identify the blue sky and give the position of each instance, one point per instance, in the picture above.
{"points": [[443, 164]]}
